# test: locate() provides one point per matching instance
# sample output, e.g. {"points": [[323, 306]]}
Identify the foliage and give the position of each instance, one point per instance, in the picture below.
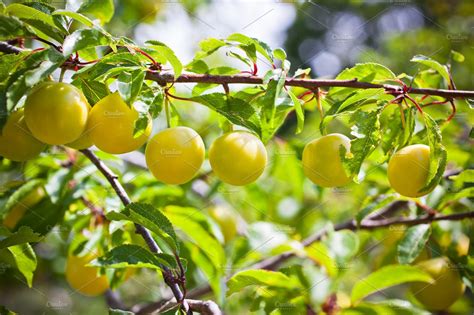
{"points": [[82, 212]]}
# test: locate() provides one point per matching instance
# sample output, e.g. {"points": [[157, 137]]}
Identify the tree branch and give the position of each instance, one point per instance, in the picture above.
{"points": [[122, 194], [374, 221], [165, 78]]}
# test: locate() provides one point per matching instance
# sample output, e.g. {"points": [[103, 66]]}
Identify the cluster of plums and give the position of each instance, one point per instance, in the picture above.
{"points": [[58, 114]]}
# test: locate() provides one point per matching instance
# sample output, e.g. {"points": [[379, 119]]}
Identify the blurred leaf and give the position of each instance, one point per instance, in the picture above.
{"points": [[18, 195], [23, 235], [371, 204], [208, 46], [363, 72], [386, 307], [464, 178], [100, 9], [5, 311], [206, 251], [196, 227], [457, 56], [438, 154], [343, 244], [260, 278], [279, 54], [134, 256], [167, 53], [85, 38], [151, 218], [299, 112], [433, 64], [44, 216], [76, 16], [11, 28], [385, 277], [119, 312], [412, 243]]}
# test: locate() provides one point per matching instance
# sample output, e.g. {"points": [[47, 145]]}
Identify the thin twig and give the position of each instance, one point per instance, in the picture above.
{"points": [[122, 194], [374, 221]]}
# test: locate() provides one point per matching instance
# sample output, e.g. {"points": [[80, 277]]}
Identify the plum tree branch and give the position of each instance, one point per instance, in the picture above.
{"points": [[376, 220], [122, 194], [164, 78]]}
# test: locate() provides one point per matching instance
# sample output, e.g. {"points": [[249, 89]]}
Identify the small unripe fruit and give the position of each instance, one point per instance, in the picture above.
{"points": [[322, 160], [85, 279], [447, 286], [111, 126], [175, 155], [408, 170], [18, 211], [238, 158], [16, 141], [56, 113]]}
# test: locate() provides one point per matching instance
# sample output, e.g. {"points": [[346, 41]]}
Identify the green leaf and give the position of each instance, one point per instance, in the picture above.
{"points": [[18, 195], [438, 154], [195, 226], [299, 112], [44, 216], [272, 279], [76, 16], [343, 244], [412, 243], [23, 257], [279, 54], [119, 312], [167, 53], [385, 277], [3, 309], [457, 56], [236, 110], [35, 69], [134, 256], [396, 135], [11, 28], [151, 218], [363, 97], [23, 235], [129, 85], [26, 12], [433, 64], [260, 46], [466, 177], [366, 130], [100, 9], [152, 97], [363, 72], [93, 90], [208, 46], [85, 38]]}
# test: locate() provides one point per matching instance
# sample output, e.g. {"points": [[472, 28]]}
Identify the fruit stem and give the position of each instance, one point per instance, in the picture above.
{"points": [[167, 112], [61, 75]]}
